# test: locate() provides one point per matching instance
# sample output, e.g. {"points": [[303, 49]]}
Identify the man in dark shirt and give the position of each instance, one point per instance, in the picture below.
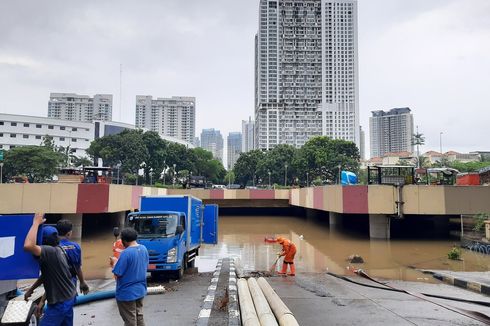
{"points": [[130, 271], [55, 274], [73, 252]]}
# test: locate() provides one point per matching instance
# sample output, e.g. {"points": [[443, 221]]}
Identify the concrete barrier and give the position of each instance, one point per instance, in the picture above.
{"points": [[283, 315], [264, 312], [249, 316]]}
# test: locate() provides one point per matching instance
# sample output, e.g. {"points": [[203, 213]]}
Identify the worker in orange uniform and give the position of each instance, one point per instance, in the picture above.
{"points": [[288, 251], [117, 248]]}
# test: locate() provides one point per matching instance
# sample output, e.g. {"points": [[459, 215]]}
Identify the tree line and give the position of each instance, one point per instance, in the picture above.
{"points": [[319, 161]]}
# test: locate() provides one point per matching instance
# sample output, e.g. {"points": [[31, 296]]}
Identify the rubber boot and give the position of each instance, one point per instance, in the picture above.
{"points": [[293, 270], [284, 269]]}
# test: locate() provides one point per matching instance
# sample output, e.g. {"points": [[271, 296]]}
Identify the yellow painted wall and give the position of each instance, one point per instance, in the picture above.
{"points": [[424, 200], [381, 199], [467, 200], [333, 199], [11, 198], [294, 197], [120, 198], [68, 193], [282, 193]]}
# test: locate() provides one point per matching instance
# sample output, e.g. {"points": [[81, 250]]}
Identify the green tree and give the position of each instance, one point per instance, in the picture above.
{"points": [[81, 161], [280, 163], [246, 166], [230, 177], [324, 157], [418, 140], [157, 155], [37, 163]]}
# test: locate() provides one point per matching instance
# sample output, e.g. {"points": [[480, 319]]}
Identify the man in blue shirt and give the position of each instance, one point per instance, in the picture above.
{"points": [[73, 253], [130, 271]]}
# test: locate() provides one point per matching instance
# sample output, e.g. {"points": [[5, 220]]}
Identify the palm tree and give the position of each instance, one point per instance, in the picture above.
{"points": [[418, 139]]}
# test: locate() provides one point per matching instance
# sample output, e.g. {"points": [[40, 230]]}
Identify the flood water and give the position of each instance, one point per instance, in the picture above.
{"points": [[319, 249]]}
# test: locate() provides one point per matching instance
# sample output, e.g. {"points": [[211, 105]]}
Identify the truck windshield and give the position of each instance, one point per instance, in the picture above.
{"points": [[154, 225]]}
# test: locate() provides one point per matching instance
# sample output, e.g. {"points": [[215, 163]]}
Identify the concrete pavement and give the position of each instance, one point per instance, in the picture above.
{"points": [[320, 299]]}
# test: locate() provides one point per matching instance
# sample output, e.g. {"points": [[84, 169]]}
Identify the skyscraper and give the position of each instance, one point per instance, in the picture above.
{"points": [[248, 128], [391, 131], [74, 107], [306, 72], [234, 147], [174, 117], [212, 141]]}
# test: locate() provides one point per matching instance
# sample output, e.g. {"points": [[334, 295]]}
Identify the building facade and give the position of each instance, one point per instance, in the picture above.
{"points": [[248, 131], [74, 107], [391, 131], [306, 72], [211, 140], [173, 117], [234, 148]]}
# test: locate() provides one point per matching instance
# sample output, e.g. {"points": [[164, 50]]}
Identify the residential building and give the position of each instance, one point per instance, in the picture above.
{"points": [[174, 117], [306, 72], [248, 129], [212, 141], [22, 130], [234, 148], [391, 131], [74, 107]]}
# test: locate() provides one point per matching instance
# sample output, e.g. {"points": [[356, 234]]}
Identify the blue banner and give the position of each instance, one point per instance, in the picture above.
{"points": [[15, 263]]}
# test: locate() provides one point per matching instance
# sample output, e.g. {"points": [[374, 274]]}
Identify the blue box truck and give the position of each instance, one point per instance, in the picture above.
{"points": [[173, 228]]}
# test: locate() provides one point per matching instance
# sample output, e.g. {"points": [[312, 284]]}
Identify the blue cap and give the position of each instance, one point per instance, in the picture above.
{"points": [[49, 231]]}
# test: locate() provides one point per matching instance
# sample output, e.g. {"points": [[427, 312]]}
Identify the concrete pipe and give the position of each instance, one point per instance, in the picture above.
{"points": [[283, 315], [266, 317], [238, 268], [247, 309]]}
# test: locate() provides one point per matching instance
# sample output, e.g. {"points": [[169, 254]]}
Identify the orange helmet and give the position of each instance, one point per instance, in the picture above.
{"points": [[280, 239]]}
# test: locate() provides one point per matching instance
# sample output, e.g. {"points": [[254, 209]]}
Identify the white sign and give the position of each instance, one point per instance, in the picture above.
{"points": [[7, 247]]}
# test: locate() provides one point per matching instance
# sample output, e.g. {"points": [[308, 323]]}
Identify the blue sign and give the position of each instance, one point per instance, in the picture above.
{"points": [[15, 263]]}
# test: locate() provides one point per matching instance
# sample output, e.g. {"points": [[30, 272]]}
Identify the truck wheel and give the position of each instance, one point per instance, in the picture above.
{"points": [[180, 272]]}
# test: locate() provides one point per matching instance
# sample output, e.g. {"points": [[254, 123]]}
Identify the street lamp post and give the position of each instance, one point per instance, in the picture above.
{"points": [[1, 172], [164, 171], [151, 177], [118, 165], [173, 181], [269, 172], [285, 174], [307, 178]]}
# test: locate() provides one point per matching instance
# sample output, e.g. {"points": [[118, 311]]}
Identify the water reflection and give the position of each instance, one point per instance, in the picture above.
{"points": [[319, 249]]}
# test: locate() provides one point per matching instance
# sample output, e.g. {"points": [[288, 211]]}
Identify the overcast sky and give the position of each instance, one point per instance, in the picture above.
{"points": [[430, 55]]}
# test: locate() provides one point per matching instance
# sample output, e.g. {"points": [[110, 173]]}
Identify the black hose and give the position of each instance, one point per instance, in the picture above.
{"points": [[481, 303], [476, 315]]}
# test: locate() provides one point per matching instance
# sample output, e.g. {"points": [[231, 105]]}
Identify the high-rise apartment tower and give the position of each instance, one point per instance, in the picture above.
{"points": [[248, 128], [306, 72], [74, 107], [174, 117], [212, 140], [234, 148], [391, 131]]}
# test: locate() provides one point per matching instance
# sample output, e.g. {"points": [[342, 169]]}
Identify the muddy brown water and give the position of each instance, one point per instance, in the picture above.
{"points": [[319, 249]]}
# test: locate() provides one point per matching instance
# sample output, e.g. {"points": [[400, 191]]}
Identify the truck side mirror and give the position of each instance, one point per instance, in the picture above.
{"points": [[179, 230], [116, 231]]}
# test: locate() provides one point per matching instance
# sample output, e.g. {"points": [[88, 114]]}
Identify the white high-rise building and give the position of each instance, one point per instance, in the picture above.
{"points": [[74, 107], [306, 72], [391, 131], [248, 128], [174, 117], [234, 148], [212, 141]]}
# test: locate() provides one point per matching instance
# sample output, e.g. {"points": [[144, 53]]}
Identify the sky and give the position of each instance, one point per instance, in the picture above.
{"points": [[430, 55]]}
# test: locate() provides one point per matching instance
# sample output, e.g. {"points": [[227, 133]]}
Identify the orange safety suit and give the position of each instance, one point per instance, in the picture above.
{"points": [[288, 251], [117, 248]]}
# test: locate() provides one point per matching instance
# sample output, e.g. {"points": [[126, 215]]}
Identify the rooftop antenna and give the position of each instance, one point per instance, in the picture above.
{"points": [[120, 91]]}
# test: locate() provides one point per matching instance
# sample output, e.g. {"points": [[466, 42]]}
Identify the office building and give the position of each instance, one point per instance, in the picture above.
{"points": [[391, 131], [212, 141], [248, 129], [234, 148], [362, 143], [306, 72], [173, 117], [74, 107]]}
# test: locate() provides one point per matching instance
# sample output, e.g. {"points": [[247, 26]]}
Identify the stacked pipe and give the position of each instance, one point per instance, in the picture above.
{"points": [[260, 305], [283, 315]]}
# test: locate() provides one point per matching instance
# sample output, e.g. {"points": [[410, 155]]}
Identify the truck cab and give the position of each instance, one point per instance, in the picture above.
{"points": [[172, 228]]}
